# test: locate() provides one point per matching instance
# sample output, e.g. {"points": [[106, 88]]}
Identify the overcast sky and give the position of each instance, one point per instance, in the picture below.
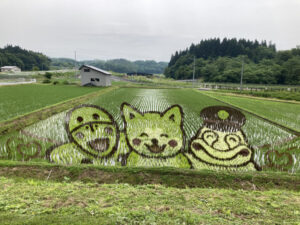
{"points": [[142, 29]]}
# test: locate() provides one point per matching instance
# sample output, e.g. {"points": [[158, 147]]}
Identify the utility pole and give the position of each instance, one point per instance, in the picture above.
{"points": [[194, 73], [242, 73], [75, 57]]}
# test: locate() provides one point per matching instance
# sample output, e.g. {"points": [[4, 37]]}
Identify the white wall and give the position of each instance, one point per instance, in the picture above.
{"points": [[87, 76]]}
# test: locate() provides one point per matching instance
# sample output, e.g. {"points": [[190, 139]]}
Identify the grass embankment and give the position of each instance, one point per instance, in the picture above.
{"points": [[38, 107], [35, 192]]}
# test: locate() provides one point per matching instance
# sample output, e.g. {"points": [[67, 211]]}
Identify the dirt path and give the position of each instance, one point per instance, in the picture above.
{"points": [[16, 83]]}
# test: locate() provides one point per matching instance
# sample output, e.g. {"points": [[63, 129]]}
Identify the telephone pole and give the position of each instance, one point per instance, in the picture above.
{"points": [[242, 73], [194, 73], [75, 56]]}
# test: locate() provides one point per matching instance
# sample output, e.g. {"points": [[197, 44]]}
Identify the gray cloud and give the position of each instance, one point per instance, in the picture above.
{"points": [[142, 29]]}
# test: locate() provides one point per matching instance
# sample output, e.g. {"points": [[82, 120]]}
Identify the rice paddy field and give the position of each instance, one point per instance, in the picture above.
{"points": [[33, 190], [270, 142], [283, 113], [21, 99]]}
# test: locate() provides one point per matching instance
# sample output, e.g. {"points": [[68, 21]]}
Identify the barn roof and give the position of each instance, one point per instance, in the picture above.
{"points": [[96, 69]]}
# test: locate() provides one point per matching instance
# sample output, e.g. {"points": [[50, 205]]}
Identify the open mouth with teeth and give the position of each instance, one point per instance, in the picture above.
{"points": [[155, 148], [99, 144]]}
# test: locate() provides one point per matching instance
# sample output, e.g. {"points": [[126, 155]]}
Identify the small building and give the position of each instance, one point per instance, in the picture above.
{"points": [[10, 69], [91, 75]]}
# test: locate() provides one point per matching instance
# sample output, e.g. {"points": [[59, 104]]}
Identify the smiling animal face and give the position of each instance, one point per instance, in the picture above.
{"points": [[154, 134], [93, 130], [220, 141], [221, 148]]}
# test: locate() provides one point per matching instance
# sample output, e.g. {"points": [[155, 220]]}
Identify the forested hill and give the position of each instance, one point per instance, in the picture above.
{"points": [[29, 60], [116, 65], [221, 61], [24, 59]]}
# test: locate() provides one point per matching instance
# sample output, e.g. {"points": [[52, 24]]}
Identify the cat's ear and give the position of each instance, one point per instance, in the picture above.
{"points": [[174, 114], [129, 113]]}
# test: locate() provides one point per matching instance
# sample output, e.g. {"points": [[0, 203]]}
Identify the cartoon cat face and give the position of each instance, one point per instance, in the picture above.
{"points": [[224, 146], [154, 134], [93, 130]]}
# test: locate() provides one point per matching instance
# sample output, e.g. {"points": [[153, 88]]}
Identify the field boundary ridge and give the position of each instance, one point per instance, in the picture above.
{"points": [[167, 176]]}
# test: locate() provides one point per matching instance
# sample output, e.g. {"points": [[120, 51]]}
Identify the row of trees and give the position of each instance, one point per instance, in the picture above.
{"points": [[126, 66], [221, 61], [116, 65], [24, 59], [29, 60]]}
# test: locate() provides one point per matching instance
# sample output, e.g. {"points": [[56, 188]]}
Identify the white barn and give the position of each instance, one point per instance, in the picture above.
{"points": [[10, 69], [94, 76]]}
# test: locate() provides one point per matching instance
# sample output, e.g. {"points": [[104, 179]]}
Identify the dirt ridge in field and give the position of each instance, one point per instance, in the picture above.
{"points": [[171, 177]]}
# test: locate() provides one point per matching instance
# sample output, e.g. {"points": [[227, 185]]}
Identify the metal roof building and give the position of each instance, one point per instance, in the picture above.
{"points": [[91, 75]]}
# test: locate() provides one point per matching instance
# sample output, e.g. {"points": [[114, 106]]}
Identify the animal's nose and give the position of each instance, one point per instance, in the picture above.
{"points": [[154, 141]]}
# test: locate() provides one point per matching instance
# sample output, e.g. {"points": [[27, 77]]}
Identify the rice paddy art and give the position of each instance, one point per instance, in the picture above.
{"points": [[220, 143], [154, 139], [93, 135], [156, 128]]}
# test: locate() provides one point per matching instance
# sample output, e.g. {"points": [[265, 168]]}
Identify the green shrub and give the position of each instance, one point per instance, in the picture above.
{"points": [[48, 75], [35, 68], [65, 82], [46, 81], [55, 82]]}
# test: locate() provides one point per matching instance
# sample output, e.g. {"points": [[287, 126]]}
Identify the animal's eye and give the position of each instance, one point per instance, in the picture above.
{"points": [[79, 119], [144, 135], [95, 116], [232, 140], [164, 135], [209, 137]]}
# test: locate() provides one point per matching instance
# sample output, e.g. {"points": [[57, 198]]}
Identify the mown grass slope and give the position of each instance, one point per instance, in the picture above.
{"points": [[38, 193]]}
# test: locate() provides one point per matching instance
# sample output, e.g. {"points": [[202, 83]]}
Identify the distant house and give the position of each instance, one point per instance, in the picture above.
{"points": [[94, 76], [10, 69]]}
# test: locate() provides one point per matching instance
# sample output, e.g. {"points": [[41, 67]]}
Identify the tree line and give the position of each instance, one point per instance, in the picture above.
{"points": [[221, 61], [24, 59], [28, 60], [116, 65]]}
